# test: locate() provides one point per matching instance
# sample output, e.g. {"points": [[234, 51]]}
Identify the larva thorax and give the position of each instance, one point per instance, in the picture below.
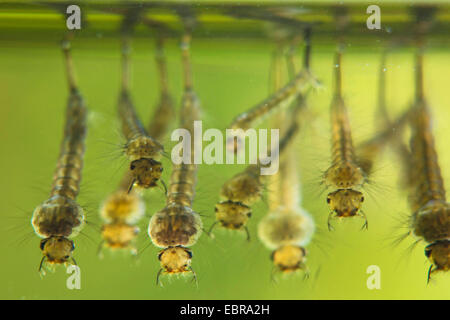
{"points": [[56, 220], [143, 147], [175, 225], [123, 206]]}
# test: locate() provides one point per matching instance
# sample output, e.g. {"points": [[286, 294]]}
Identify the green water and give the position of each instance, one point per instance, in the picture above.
{"points": [[230, 75]]}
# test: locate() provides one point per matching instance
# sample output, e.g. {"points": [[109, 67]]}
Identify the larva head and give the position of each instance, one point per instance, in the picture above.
{"points": [[439, 254], [146, 172], [175, 260], [119, 235], [232, 215], [289, 258], [57, 250], [345, 202]]}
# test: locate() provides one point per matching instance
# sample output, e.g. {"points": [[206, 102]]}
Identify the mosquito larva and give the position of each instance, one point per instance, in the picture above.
{"points": [[59, 219], [302, 81], [287, 228], [142, 150], [430, 220], [177, 227], [344, 174], [123, 209], [245, 188]]}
